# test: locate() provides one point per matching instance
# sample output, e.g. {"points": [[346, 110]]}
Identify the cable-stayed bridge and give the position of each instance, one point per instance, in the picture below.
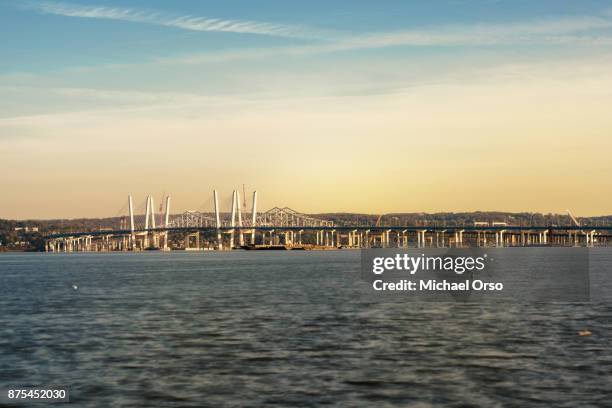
{"points": [[285, 228]]}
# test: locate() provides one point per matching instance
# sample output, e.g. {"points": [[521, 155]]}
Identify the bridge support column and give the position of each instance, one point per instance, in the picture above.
{"points": [[421, 238], [188, 237], [499, 238]]}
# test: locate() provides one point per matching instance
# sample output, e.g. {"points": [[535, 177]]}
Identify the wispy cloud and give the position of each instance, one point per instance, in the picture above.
{"points": [[583, 30], [535, 31], [580, 30], [185, 22]]}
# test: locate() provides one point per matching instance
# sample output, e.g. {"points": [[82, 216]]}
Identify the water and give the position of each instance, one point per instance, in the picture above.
{"points": [[283, 329]]}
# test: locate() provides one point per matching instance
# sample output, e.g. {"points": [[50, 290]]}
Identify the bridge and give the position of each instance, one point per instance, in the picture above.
{"points": [[284, 228]]}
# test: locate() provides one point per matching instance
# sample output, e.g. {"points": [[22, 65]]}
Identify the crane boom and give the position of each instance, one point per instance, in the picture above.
{"points": [[244, 203], [573, 218], [161, 208], [378, 220]]}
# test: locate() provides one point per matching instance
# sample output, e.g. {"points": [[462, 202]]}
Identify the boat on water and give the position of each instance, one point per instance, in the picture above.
{"points": [[283, 247], [266, 247]]}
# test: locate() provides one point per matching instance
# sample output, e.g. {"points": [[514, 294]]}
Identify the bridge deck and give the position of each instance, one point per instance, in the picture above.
{"points": [[373, 229]]}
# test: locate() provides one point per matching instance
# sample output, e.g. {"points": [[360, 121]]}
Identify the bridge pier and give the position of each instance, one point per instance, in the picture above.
{"points": [[421, 238], [196, 237]]}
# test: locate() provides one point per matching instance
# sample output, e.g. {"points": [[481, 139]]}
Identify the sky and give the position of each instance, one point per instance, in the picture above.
{"points": [[322, 106]]}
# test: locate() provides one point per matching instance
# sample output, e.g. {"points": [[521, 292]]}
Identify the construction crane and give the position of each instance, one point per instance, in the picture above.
{"points": [[573, 218], [577, 224], [161, 208], [244, 202]]}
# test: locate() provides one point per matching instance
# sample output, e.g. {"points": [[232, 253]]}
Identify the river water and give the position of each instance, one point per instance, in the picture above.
{"points": [[286, 328]]}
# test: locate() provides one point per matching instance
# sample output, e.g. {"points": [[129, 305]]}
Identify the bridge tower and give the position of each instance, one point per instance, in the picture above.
{"points": [[233, 220], [254, 217], [166, 221], [132, 235], [217, 219], [240, 232], [150, 215]]}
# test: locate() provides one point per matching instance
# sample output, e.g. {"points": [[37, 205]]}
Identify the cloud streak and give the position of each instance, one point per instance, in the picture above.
{"points": [[185, 22], [583, 30], [580, 30]]}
